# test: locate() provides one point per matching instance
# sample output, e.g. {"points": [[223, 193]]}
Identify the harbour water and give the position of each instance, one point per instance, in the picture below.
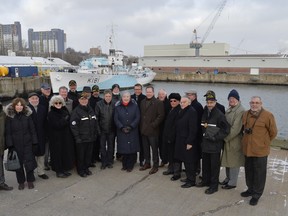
{"points": [[274, 97]]}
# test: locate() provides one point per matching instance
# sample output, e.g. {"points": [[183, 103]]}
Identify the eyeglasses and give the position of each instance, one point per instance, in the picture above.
{"points": [[56, 103], [255, 102], [173, 101], [137, 89]]}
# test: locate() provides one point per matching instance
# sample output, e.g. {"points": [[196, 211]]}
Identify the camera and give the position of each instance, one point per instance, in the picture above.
{"points": [[248, 130]]}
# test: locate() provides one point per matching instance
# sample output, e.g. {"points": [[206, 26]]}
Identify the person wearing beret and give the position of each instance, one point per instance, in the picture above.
{"points": [[84, 127], [232, 156]]}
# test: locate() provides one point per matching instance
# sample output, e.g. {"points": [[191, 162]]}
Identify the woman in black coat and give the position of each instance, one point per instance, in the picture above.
{"points": [[127, 117], [186, 147], [60, 136], [20, 136]]}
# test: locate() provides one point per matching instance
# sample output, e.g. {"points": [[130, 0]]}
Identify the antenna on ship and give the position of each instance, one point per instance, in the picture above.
{"points": [[112, 41]]}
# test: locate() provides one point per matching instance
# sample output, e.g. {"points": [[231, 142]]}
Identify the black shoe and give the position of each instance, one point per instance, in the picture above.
{"points": [[67, 173], [47, 168], [175, 178], [83, 175], [202, 184], [188, 185], [61, 175], [168, 172], [225, 182], [88, 172], [210, 191], [253, 201], [110, 166], [5, 187], [21, 186], [228, 186], [103, 167], [30, 185], [92, 165], [246, 194], [184, 180], [43, 176]]}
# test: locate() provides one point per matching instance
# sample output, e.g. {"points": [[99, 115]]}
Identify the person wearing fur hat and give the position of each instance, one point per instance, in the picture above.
{"points": [[169, 132], [3, 185], [61, 142], [20, 137], [232, 156]]}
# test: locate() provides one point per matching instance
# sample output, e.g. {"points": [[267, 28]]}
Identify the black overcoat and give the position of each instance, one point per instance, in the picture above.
{"points": [[186, 131], [21, 134], [61, 140], [39, 120]]}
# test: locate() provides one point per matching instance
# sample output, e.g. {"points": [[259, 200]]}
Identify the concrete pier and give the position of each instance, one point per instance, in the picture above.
{"points": [[118, 193]]}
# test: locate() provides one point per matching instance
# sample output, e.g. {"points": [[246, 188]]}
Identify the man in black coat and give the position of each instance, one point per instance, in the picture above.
{"points": [[39, 116], [44, 99], [214, 128], [186, 147], [84, 126], [138, 96], [192, 95], [73, 94], [169, 132], [95, 98]]}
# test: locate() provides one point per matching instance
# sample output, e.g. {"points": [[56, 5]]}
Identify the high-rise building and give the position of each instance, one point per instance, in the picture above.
{"points": [[10, 37], [47, 41]]}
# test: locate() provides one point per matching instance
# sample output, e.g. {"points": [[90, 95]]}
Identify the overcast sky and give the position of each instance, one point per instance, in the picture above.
{"points": [[249, 26]]}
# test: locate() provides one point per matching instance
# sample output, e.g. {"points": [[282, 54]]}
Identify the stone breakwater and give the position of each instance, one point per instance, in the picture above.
{"points": [[262, 79]]}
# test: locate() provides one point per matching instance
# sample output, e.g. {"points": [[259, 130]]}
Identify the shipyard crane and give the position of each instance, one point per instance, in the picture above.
{"points": [[197, 45]]}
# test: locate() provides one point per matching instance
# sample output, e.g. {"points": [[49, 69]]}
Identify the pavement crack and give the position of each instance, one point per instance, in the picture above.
{"points": [[121, 193], [212, 211]]}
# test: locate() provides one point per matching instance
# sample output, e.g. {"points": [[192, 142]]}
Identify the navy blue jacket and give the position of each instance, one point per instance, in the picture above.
{"points": [[127, 143]]}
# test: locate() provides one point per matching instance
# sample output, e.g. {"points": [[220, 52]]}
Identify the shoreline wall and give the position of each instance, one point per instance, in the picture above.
{"points": [[262, 79], [11, 87]]}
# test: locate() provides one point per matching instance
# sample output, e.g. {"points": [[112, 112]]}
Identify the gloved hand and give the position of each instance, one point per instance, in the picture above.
{"points": [[67, 117], [125, 130], [129, 128]]}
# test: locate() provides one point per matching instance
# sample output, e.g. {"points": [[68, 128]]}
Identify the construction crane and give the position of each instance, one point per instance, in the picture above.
{"points": [[197, 45]]}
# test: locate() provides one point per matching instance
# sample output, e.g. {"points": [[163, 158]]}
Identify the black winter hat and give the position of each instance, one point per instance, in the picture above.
{"points": [[235, 94], [175, 96]]}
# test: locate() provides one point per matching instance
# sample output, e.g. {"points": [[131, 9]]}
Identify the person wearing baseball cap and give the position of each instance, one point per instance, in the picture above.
{"points": [[73, 94], [214, 129], [211, 94]]}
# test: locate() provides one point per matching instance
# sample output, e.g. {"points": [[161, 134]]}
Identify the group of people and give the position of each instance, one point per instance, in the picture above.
{"points": [[81, 128]]}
